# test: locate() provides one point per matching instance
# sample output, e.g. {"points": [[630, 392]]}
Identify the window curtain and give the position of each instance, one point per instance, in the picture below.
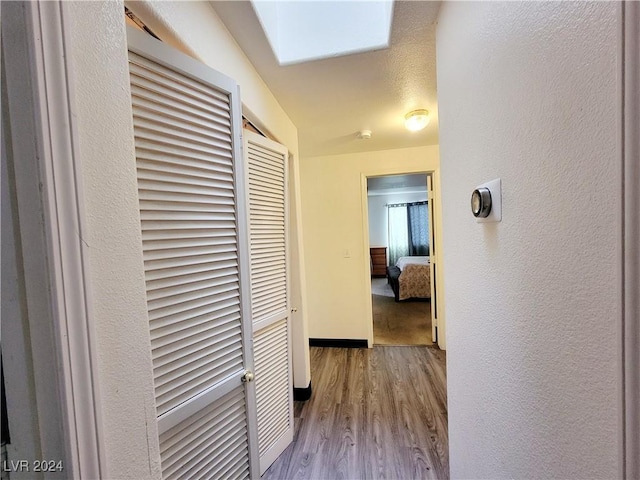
{"points": [[408, 230], [418, 228], [398, 232]]}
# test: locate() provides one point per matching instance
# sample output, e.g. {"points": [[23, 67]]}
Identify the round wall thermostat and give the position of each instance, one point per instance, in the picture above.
{"points": [[481, 202]]}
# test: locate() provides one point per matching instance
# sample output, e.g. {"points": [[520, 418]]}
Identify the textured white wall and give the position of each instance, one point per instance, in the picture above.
{"points": [[102, 112], [527, 93], [378, 219]]}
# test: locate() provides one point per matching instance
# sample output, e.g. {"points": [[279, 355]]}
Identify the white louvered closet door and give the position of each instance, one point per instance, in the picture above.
{"points": [[195, 248], [266, 170]]}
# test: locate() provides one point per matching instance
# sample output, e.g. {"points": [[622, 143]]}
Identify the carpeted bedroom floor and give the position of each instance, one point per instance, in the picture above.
{"points": [[403, 323]]}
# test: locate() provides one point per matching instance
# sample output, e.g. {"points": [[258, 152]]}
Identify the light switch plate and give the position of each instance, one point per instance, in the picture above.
{"points": [[495, 187]]}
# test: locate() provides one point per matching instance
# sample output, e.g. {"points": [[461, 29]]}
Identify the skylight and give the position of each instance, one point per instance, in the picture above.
{"points": [[304, 30]]}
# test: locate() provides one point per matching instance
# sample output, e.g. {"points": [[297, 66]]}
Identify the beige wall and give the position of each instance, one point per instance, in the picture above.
{"points": [[528, 92], [335, 226]]}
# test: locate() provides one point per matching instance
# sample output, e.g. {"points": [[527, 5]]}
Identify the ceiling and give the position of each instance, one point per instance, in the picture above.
{"points": [[330, 100], [412, 183]]}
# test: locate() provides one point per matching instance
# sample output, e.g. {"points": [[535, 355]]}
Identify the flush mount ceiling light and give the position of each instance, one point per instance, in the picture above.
{"points": [[416, 120], [364, 134]]}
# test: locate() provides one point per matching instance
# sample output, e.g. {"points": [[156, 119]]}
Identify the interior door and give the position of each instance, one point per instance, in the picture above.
{"points": [[266, 170], [433, 261], [194, 238]]}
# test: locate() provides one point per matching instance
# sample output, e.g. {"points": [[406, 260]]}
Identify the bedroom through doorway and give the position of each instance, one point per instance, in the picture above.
{"points": [[399, 239]]}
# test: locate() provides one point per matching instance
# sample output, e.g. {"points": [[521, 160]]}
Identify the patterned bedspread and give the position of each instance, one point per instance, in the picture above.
{"points": [[415, 282]]}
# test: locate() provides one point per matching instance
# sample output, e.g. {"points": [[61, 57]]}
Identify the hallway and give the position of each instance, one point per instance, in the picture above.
{"points": [[400, 323], [374, 413]]}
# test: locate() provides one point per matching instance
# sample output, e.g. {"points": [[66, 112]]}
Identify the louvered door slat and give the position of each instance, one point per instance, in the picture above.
{"points": [[184, 241], [264, 178], [144, 106], [156, 315], [193, 161], [267, 267], [153, 89], [265, 158], [152, 128], [272, 180], [186, 122], [182, 180], [149, 99], [155, 140], [192, 285], [209, 260], [186, 449], [166, 235], [267, 172], [206, 319], [270, 282], [193, 169], [185, 82], [160, 276], [191, 344], [173, 154], [147, 116], [272, 384], [146, 68], [188, 277], [153, 85]]}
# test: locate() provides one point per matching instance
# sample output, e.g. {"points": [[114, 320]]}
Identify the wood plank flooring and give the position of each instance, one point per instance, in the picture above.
{"points": [[374, 413]]}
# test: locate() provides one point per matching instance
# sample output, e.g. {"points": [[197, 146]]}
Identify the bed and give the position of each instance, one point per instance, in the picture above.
{"points": [[410, 277]]}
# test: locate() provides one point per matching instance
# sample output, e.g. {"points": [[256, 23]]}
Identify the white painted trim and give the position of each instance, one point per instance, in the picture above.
{"points": [[298, 295], [440, 271], [367, 262], [242, 215], [16, 352], [631, 240], [51, 228], [433, 260], [435, 177], [68, 249]]}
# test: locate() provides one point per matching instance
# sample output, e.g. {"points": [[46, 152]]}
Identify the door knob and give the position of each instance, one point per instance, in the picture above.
{"points": [[294, 310], [248, 376]]}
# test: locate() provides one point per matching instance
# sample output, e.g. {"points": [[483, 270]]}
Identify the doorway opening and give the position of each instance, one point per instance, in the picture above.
{"points": [[400, 233]]}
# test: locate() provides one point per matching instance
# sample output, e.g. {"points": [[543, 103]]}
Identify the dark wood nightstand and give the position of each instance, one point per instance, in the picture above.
{"points": [[378, 261]]}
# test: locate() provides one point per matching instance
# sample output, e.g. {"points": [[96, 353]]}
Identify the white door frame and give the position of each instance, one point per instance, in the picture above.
{"points": [[630, 359], [51, 225], [365, 237], [433, 265]]}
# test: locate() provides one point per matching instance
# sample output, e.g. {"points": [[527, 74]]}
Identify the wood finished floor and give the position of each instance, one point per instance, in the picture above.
{"points": [[401, 323], [374, 413]]}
